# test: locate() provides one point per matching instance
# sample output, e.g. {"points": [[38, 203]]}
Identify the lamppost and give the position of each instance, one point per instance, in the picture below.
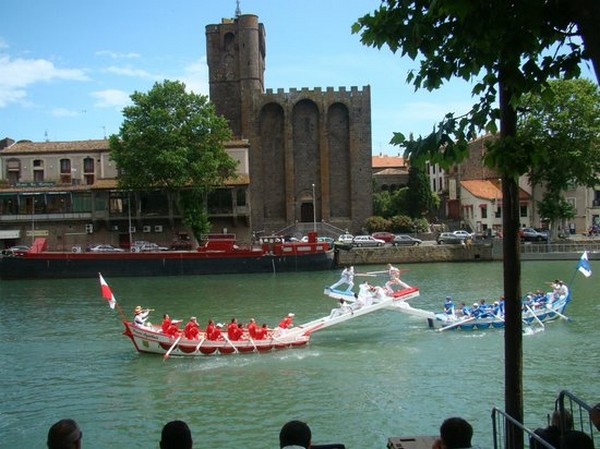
{"points": [[314, 209], [32, 220]]}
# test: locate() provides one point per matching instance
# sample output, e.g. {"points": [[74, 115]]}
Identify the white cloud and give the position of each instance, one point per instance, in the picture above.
{"points": [[64, 112], [195, 77], [132, 72], [117, 55], [111, 98], [16, 75]]}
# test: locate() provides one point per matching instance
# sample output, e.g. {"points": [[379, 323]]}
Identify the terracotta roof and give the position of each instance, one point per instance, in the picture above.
{"points": [[27, 146], [385, 161], [489, 189]]}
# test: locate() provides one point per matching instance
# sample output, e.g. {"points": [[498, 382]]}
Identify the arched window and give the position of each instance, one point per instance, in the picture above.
{"points": [[65, 171], [88, 170]]}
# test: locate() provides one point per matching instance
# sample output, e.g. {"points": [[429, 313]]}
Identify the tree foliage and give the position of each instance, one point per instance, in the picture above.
{"points": [[507, 49], [173, 140], [419, 199], [518, 44], [564, 134]]}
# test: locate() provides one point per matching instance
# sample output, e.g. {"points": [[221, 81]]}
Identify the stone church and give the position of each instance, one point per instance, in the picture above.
{"points": [[309, 150]]}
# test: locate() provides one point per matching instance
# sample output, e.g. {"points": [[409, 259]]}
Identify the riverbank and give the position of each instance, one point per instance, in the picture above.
{"points": [[476, 252]]}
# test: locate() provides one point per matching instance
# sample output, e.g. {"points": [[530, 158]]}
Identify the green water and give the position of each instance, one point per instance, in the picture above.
{"points": [[379, 376]]}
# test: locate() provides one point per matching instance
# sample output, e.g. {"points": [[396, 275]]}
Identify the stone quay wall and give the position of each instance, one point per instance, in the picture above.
{"points": [[414, 254]]}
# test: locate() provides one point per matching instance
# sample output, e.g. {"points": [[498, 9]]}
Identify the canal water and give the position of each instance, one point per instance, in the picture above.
{"points": [[379, 376]]}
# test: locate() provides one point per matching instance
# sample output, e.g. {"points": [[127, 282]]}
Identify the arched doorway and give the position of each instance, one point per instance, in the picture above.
{"points": [[307, 212]]}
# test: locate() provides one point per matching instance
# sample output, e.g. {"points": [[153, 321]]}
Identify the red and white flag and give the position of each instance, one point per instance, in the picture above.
{"points": [[107, 293]]}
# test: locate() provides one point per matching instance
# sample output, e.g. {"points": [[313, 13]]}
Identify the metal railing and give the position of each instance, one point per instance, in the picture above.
{"points": [[508, 432]]}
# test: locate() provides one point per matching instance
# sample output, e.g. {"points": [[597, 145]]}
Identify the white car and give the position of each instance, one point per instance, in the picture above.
{"points": [[105, 249], [367, 240], [464, 235], [148, 247], [345, 238]]}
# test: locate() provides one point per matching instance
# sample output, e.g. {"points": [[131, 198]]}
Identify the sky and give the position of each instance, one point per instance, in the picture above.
{"points": [[67, 68]]}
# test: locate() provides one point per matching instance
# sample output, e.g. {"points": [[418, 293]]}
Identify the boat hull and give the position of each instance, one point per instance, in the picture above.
{"points": [[533, 317], [153, 341], [76, 265]]}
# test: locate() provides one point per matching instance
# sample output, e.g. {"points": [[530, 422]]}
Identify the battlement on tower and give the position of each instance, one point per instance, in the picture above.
{"points": [[340, 92]]}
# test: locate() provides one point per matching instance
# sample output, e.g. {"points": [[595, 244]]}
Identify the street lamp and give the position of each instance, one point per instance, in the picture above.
{"points": [[314, 210]]}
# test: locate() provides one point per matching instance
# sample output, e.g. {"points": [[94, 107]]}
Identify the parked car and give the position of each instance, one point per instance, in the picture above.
{"points": [[387, 237], [449, 237], [533, 235], [19, 250], [105, 249], [327, 240], [16, 250], [148, 247], [367, 240], [405, 240], [463, 234], [345, 238]]}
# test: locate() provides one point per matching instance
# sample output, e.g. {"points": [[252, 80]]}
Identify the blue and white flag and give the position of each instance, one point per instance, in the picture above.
{"points": [[584, 265]]}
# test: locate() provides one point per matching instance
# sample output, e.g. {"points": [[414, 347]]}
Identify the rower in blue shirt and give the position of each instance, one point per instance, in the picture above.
{"points": [[466, 311], [448, 306]]}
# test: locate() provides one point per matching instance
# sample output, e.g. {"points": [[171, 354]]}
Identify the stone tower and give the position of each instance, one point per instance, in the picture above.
{"points": [[310, 149], [235, 51]]}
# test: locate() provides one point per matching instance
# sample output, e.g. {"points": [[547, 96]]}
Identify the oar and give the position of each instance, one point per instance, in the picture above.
{"points": [[199, 344], [253, 344], [168, 353], [229, 341], [452, 326], [564, 317], [534, 315]]}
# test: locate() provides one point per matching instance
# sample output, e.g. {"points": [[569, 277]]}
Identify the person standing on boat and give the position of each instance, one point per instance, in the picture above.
{"points": [[141, 316], [393, 272], [347, 277], [191, 329]]}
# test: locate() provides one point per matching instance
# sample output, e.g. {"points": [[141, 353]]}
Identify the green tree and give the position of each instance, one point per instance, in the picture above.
{"points": [[382, 204], [173, 140], [511, 48], [419, 200], [564, 133]]}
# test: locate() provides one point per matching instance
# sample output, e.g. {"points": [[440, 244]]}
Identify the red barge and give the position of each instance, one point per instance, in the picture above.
{"points": [[219, 256]]}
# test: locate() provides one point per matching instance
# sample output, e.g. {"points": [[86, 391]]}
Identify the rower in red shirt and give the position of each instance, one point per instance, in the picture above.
{"points": [[216, 333], [232, 329], [169, 326], [252, 328], [261, 332], [210, 329], [286, 322], [191, 329]]}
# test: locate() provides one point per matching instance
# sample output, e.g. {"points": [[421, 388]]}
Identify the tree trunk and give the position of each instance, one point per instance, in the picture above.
{"points": [[513, 335], [586, 14]]}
